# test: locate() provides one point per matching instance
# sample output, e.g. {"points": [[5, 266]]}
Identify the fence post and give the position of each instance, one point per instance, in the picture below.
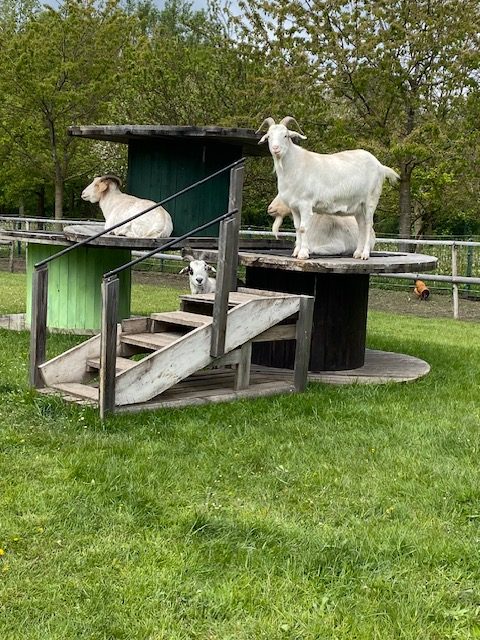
{"points": [[38, 325], [235, 198], [108, 345], [454, 274], [226, 269]]}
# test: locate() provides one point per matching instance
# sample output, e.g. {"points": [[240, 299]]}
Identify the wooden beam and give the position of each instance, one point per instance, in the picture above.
{"points": [[108, 345], [303, 339], [224, 281], [242, 374], [38, 327], [235, 198]]}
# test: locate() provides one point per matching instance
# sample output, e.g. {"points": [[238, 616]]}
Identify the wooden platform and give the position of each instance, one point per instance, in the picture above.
{"points": [[216, 385], [380, 367]]}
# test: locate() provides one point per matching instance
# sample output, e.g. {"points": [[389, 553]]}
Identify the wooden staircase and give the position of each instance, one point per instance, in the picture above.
{"points": [[165, 359]]}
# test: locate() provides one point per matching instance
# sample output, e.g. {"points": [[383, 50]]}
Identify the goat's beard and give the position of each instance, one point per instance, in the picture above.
{"points": [[277, 223]]}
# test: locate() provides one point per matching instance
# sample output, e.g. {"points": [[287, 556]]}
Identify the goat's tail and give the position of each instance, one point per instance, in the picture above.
{"points": [[391, 175]]}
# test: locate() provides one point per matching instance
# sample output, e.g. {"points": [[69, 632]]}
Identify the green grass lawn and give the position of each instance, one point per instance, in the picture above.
{"points": [[344, 513]]}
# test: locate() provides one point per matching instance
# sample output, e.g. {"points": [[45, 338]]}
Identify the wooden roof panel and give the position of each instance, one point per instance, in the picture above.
{"points": [[246, 138]]}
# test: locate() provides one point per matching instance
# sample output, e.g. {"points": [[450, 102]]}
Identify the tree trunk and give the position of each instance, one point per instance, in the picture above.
{"points": [[40, 193], [59, 188], [405, 205]]}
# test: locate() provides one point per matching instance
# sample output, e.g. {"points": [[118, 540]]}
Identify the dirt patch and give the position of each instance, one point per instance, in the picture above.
{"points": [[438, 305], [165, 279]]}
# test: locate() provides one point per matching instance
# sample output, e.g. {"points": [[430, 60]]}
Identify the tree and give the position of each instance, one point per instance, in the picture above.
{"points": [[58, 68], [396, 69]]}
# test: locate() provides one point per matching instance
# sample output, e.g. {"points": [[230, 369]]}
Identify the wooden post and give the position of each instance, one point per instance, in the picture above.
{"points": [[235, 198], [108, 345], [38, 326], [303, 336], [225, 271], [455, 286], [242, 374], [11, 257]]}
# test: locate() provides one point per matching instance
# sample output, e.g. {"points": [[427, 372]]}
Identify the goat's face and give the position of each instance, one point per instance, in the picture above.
{"points": [[198, 271], [98, 187], [279, 137]]}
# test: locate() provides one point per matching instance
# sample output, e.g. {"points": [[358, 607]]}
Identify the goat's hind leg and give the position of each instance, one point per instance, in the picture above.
{"points": [[364, 218]]}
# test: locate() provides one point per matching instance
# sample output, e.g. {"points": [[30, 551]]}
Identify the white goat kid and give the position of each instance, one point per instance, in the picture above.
{"points": [[117, 206], [326, 235], [345, 183], [198, 276]]}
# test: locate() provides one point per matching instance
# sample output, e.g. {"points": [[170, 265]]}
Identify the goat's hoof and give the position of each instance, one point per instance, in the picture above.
{"points": [[303, 255], [361, 255], [295, 252]]}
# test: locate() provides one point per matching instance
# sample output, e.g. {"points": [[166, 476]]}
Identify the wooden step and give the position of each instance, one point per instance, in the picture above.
{"points": [[151, 341], [182, 318], [77, 390], [234, 298], [121, 364]]}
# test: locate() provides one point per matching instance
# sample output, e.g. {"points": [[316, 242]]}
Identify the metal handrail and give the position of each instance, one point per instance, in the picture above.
{"points": [[81, 243]]}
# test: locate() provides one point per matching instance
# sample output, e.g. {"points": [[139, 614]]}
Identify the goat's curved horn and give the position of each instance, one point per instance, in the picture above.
{"points": [[268, 122], [288, 120], [113, 178]]}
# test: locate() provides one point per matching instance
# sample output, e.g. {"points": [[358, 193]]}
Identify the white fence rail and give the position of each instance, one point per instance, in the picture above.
{"points": [[452, 278]]}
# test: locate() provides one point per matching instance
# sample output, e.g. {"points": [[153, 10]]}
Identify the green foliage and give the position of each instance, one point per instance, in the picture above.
{"points": [[57, 69]]}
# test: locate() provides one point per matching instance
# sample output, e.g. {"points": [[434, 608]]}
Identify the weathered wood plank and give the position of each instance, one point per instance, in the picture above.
{"points": [[258, 391], [78, 390], [136, 325], [38, 331], [303, 339], [71, 365], [121, 364], [108, 345], [225, 266], [235, 199], [242, 376], [151, 341], [280, 332], [182, 318]]}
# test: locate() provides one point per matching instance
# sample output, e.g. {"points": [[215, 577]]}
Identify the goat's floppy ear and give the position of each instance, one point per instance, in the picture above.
{"points": [[184, 270], [263, 139], [210, 268], [295, 134]]}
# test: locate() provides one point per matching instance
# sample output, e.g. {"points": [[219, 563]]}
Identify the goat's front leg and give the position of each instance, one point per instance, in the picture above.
{"points": [[296, 224], [306, 214], [364, 219]]}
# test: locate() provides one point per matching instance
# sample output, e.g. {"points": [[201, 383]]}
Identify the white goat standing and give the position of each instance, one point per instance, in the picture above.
{"points": [[326, 235], [345, 183], [117, 206], [198, 276]]}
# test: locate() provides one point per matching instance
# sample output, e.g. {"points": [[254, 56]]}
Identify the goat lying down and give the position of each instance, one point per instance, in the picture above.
{"points": [[117, 206], [345, 184], [198, 276], [326, 235]]}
